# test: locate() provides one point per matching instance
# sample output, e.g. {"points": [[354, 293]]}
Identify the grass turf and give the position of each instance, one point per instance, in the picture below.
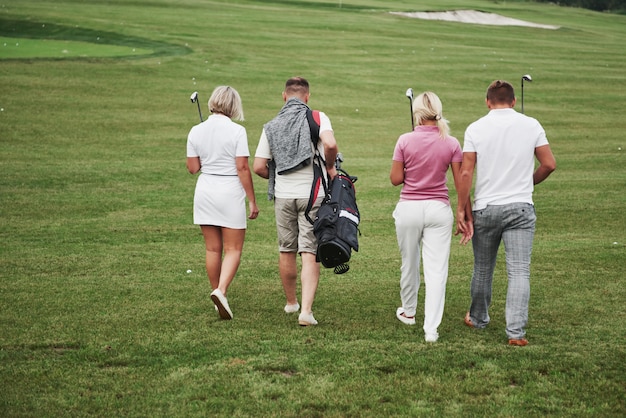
{"points": [[99, 315]]}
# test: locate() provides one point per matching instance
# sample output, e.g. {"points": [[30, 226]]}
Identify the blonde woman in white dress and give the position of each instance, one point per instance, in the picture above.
{"points": [[218, 149]]}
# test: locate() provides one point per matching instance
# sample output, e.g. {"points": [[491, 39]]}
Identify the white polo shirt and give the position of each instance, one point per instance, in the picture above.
{"points": [[504, 142], [218, 141]]}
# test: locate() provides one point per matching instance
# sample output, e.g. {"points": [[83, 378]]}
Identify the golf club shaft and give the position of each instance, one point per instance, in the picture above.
{"points": [[199, 111], [194, 99], [409, 95], [522, 95], [525, 77]]}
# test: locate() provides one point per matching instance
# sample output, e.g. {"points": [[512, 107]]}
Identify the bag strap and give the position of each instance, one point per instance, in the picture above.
{"points": [[313, 116]]}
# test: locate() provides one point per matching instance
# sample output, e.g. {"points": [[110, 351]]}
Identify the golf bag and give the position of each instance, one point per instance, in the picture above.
{"points": [[337, 220], [336, 225]]}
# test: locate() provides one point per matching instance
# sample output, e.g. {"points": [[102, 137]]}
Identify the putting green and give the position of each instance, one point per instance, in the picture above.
{"points": [[11, 48]]}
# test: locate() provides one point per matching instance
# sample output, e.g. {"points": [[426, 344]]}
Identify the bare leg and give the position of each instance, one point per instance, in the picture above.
{"points": [[310, 278], [288, 268], [213, 243], [233, 245]]}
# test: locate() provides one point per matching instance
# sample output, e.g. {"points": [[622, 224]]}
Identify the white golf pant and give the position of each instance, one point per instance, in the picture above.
{"points": [[425, 224]]}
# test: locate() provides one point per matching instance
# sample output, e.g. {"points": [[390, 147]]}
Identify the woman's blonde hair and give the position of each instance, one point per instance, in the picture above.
{"points": [[226, 100], [427, 106]]}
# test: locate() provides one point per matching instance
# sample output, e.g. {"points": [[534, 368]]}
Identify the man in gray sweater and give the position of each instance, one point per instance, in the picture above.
{"points": [[285, 157]]}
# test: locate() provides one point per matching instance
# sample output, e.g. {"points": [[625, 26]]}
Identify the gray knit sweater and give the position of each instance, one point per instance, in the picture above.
{"points": [[289, 138]]}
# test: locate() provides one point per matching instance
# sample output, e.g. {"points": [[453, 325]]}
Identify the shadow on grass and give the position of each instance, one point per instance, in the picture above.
{"points": [[50, 31]]}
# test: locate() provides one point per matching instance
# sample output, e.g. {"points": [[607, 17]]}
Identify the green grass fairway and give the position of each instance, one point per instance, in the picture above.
{"points": [[98, 314], [36, 48]]}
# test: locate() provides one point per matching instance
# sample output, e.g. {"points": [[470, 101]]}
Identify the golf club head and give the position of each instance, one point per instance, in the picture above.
{"points": [[409, 94], [194, 97], [338, 161]]}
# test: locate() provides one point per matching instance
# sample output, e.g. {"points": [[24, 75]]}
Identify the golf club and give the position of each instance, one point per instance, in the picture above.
{"points": [[409, 94], [338, 160], [525, 77], [194, 99]]}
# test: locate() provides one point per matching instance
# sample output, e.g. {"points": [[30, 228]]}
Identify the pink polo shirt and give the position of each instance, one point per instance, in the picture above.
{"points": [[426, 157]]}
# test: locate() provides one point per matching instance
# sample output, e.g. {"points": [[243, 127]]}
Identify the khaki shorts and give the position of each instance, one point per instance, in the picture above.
{"points": [[295, 232]]}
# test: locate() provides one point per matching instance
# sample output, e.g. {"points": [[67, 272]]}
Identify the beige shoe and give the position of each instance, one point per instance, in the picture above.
{"points": [[292, 308], [306, 319], [222, 304], [401, 315]]}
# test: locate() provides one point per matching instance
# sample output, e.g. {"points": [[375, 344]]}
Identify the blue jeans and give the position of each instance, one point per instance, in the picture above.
{"points": [[514, 224]]}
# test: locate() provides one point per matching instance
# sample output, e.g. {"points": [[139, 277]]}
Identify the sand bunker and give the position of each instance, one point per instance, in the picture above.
{"points": [[474, 16]]}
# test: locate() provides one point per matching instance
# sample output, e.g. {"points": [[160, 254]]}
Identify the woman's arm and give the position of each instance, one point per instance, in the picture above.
{"points": [[464, 220], [193, 164], [245, 177], [397, 173]]}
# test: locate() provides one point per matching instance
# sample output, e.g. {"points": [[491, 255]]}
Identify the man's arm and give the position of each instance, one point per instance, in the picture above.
{"points": [[463, 185], [330, 152], [547, 163], [468, 220], [260, 167]]}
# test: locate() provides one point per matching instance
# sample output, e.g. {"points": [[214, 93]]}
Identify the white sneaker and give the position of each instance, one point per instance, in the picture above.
{"points": [[409, 320], [222, 304], [292, 308], [431, 338], [306, 319]]}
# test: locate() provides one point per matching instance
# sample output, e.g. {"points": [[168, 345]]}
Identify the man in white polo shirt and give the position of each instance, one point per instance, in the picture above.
{"points": [[285, 157], [502, 147]]}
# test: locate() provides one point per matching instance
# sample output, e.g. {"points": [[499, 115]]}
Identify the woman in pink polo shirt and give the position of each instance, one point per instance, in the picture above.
{"points": [[423, 216]]}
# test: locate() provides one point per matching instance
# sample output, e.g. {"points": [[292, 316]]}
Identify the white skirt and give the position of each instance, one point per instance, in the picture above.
{"points": [[219, 201]]}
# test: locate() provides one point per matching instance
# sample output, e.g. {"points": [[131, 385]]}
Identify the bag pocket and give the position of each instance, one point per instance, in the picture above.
{"points": [[348, 231]]}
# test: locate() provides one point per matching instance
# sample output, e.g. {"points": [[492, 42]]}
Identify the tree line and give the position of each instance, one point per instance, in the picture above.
{"points": [[597, 5]]}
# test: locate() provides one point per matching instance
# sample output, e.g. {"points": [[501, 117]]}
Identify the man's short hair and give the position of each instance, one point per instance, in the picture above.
{"points": [[297, 85], [500, 92]]}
